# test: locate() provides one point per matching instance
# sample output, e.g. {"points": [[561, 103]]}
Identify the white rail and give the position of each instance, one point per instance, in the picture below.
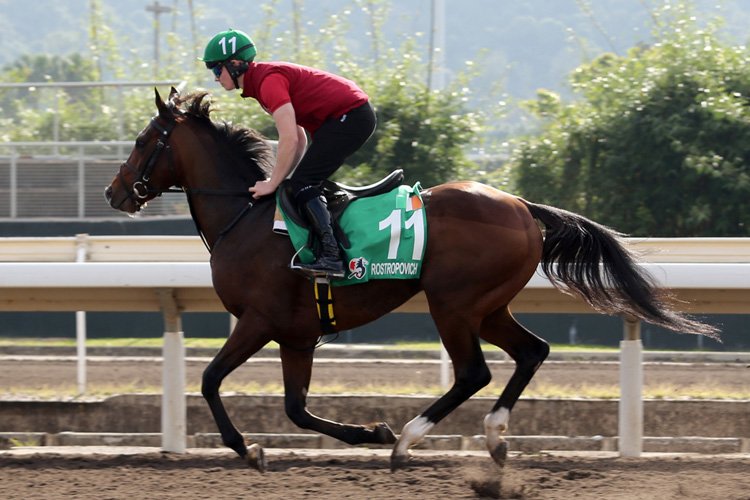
{"points": [[67, 275], [190, 248], [172, 275]]}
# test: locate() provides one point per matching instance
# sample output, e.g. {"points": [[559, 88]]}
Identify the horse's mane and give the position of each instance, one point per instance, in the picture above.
{"points": [[246, 144]]}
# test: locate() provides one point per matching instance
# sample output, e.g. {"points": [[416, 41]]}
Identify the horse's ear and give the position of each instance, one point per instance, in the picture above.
{"points": [[163, 110], [173, 92]]}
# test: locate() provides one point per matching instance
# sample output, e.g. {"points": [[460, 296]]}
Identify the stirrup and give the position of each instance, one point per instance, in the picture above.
{"points": [[296, 266], [312, 273], [321, 273]]}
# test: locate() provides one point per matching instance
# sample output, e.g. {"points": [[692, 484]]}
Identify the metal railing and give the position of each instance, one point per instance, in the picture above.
{"points": [[69, 185], [66, 178]]}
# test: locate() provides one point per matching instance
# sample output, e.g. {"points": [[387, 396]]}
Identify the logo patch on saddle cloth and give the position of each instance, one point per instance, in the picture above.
{"points": [[387, 235]]}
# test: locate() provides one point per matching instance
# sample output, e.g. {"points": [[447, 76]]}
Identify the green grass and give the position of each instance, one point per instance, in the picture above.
{"points": [[29, 441], [218, 342], [120, 342], [535, 390]]}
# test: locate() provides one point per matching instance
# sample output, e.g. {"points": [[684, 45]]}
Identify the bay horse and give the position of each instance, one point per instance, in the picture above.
{"points": [[484, 245]]}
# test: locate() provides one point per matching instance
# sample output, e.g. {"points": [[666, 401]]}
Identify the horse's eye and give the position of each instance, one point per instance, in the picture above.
{"points": [[139, 144]]}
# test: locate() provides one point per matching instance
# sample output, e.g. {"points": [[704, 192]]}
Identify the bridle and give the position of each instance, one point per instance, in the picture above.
{"points": [[139, 189]]}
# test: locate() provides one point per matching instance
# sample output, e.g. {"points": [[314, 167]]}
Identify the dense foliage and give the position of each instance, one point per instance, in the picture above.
{"points": [[658, 144]]}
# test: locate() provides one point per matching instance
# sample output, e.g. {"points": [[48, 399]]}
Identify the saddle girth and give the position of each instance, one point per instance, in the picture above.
{"points": [[324, 302]]}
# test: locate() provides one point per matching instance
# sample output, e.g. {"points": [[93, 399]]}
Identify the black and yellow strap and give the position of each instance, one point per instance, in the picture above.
{"points": [[324, 300]]}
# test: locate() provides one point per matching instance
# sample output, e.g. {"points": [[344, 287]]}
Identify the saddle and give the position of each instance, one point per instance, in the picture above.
{"points": [[338, 196]]}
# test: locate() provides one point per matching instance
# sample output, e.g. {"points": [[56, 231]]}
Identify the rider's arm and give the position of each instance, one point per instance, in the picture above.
{"points": [[292, 142], [301, 144]]}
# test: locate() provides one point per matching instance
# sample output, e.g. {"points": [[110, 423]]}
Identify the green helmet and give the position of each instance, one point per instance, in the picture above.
{"points": [[230, 44]]}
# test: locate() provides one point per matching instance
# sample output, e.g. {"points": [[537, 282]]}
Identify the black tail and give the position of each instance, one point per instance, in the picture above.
{"points": [[582, 256]]}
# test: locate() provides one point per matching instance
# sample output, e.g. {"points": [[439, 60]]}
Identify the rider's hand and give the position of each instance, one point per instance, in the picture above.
{"points": [[262, 188]]}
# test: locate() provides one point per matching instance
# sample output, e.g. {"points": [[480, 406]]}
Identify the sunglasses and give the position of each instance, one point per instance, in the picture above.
{"points": [[217, 70]]}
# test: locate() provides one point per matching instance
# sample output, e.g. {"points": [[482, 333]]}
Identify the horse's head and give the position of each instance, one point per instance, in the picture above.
{"points": [[237, 156], [149, 170]]}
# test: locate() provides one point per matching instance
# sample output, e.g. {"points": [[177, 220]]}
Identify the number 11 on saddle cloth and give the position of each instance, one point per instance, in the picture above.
{"points": [[387, 235]]}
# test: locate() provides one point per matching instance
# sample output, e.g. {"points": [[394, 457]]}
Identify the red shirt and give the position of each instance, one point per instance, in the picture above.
{"points": [[316, 95]]}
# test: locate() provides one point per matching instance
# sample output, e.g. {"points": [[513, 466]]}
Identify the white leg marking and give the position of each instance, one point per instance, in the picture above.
{"points": [[495, 423], [412, 433]]}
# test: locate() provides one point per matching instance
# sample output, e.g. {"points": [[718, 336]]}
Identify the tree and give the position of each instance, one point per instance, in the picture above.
{"points": [[45, 68], [424, 132], [658, 145], [30, 110]]}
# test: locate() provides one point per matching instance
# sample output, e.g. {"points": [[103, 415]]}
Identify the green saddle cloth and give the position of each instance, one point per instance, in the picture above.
{"points": [[388, 235]]}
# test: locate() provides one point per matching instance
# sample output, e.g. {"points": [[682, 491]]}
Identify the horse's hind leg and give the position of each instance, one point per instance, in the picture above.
{"points": [[470, 375], [236, 350], [297, 368], [528, 351]]}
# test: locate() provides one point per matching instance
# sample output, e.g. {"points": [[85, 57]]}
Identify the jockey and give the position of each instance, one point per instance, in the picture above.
{"points": [[333, 110]]}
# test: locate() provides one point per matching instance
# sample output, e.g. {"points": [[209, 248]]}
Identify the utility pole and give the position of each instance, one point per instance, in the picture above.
{"points": [[436, 68], [157, 10], [192, 28]]}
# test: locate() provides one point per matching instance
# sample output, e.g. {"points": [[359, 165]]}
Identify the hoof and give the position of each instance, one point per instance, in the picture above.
{"points": [[256, 458], [399, 461], [500, 452], [384, 434]]}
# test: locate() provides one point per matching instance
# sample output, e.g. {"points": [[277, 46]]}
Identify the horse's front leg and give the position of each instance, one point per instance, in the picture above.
{"points": [[297, 369], [243, 342]]}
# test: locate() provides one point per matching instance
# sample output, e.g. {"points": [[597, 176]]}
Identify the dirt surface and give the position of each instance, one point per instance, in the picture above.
{"points": [[292, 476], [338, 475], [17, 374]]}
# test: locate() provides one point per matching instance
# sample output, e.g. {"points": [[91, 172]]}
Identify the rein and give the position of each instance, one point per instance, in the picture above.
{"points": [[224, 231]]}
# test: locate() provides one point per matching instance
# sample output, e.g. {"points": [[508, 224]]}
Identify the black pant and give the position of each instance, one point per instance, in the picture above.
{"points": [[334, 142]]}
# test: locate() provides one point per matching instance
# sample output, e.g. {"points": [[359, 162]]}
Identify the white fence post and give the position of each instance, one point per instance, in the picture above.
{"points": [[631, 390], [173, 406], [81, 251]]}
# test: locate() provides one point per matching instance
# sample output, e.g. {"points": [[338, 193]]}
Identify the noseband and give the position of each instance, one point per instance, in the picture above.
{"points": [[140, 189]]}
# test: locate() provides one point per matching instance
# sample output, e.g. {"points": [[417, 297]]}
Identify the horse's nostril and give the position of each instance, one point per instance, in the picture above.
{"points": [[108, 193]]}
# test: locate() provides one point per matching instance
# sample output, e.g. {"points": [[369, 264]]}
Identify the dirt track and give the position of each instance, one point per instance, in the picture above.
{"points": [[338, 475], [290, 476]]}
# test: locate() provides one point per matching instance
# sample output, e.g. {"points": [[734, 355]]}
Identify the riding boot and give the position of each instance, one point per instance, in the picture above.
{"points": [[329, 261]]}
